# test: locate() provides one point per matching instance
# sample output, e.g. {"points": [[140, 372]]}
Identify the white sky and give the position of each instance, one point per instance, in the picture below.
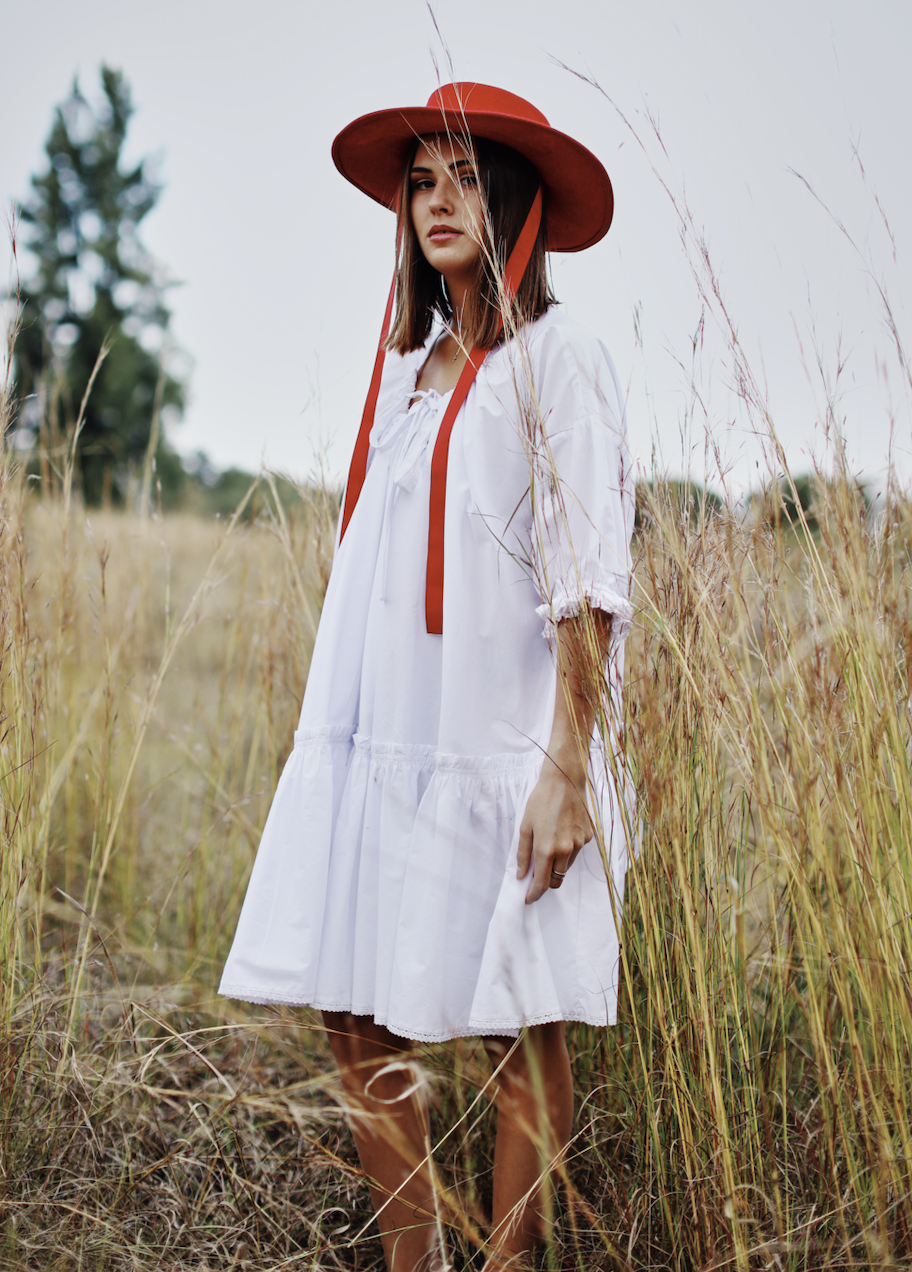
{"points": [[284, 267]]}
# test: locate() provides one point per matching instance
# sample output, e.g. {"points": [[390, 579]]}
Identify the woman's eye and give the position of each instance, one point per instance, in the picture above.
{"points": [[469, 179]]}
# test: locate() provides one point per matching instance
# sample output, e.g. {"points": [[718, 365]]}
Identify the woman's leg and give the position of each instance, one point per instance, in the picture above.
{"points": [[534, 1103], [390, 1130]]}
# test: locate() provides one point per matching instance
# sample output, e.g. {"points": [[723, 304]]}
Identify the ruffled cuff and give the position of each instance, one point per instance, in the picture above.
{"points": [[566, 602]]}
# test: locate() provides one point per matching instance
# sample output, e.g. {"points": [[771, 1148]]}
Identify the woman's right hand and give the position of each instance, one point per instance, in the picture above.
{"points": [[555, 827]]}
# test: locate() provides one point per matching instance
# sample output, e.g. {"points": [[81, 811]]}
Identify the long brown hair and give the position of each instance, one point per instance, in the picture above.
{"points": [[508, 182]]}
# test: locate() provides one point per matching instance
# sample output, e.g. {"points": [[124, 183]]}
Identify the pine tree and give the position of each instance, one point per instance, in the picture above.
{"points": [[93, 280]]}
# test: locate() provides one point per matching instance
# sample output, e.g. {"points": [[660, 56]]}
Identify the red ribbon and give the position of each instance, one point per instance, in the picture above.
{"points": [[513, 273], [358, 468]]}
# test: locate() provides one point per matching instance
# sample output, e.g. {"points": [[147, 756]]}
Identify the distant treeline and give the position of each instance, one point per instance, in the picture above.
{"points": [[212, 493], [786, 503], [209, 492]]}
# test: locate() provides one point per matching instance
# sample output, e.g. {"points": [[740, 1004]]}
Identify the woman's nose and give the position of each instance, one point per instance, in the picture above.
{"points": [[443, 196]]}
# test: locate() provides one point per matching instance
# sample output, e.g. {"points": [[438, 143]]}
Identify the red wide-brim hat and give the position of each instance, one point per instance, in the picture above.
{"points": [[371, 153]]}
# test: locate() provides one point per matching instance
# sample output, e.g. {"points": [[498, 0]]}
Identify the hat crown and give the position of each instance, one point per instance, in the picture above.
{"points": [[483, 99], [372, 153]]}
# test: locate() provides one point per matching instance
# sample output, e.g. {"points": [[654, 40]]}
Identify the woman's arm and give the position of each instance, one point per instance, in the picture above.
{"points": [[556, 823]]}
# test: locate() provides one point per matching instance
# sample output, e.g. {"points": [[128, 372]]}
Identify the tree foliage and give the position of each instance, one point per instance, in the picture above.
{"points": [[803, 497], [93, 280], [693, 501]]}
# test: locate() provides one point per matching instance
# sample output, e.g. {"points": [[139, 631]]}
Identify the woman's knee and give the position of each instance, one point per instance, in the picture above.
{"points": [[535, 1053], [360, 1046], [498, 1049], [344, 1034]]}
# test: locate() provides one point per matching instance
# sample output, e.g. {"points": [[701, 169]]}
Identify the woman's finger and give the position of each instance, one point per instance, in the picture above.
{"points": [[541, 876], [524, 855], [559, 868]]}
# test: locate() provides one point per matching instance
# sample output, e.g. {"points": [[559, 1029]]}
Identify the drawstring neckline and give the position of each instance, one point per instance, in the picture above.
{"points": [[512, 276], [405, 439]]}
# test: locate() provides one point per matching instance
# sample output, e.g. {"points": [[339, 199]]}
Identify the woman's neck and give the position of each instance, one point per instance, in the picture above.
{"points": [[458, 293]]}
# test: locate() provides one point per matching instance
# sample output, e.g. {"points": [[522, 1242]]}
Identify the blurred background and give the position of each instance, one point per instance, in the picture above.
{"points": [[274, 270]]}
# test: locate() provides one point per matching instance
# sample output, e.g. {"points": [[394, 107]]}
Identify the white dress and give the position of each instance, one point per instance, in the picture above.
{"points": [[385, 882]]}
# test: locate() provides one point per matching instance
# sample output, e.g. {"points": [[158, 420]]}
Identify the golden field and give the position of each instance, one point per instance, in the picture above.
{"points": [[753, 1107]]}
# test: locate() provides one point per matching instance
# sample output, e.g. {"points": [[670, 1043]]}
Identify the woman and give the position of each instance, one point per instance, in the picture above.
{"points": [[445, 853]]}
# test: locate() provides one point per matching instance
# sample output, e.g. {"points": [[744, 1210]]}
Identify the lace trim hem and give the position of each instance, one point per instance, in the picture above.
{"points": [[481, 1029]]}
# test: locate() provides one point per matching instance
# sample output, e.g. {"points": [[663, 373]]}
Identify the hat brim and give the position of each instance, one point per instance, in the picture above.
{"points": [[372, 151]]}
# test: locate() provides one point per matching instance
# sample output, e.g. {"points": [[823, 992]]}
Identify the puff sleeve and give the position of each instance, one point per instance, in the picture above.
{"points": [[582, 487]]}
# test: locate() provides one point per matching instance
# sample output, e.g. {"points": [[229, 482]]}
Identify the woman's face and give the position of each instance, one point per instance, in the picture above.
{"points": [[446, 207]]}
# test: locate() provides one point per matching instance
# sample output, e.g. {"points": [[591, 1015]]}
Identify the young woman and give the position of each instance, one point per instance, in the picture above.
{"points": [[445, 853]]}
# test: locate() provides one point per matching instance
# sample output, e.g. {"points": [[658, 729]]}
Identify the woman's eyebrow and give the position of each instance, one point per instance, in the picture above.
{"points": [[457, 163]]}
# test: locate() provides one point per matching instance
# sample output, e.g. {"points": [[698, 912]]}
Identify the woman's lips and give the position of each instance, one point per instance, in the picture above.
{"points": [[444, 234]]}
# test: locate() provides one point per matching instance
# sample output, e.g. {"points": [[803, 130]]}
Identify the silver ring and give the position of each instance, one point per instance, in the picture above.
{"points": [[558, 874]]}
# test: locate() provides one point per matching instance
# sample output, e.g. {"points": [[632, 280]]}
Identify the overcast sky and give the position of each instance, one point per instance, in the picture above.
{"points": [[283, 267]]}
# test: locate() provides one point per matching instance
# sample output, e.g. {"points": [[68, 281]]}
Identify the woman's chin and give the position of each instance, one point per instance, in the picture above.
{"points": [[450, 258]]}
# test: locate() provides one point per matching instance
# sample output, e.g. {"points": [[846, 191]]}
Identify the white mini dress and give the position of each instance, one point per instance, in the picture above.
{"points": [[385, 881]]}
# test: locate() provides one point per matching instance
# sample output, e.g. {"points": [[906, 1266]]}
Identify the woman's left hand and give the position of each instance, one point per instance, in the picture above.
{"points": [[555, 826], [556, 823]]}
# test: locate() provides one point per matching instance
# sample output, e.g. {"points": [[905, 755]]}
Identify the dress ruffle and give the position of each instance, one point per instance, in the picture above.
{"points": [[369, 928], [566, 602]]}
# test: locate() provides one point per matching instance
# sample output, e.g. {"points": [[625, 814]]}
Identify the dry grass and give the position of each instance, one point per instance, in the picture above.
{"points": [[753, 1107]]}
